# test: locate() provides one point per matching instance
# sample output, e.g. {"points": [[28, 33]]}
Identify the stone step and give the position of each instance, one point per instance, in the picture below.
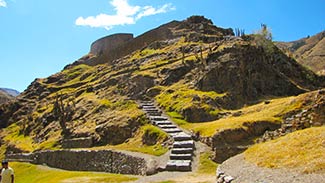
{"points": [[143, 103], [182, 136], [183, 144], [179, 165], [166, 122], [167, 126], [154, 114], [158, 118], [147, 107], [152, 110], [180, 156], [172, 130], [188, 150]]}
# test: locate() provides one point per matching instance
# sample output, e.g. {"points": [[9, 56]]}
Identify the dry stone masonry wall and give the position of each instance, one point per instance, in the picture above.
{"points": [[86, 160]]}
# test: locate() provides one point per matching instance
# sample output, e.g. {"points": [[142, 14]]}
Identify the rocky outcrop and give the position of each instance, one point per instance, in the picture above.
{"points": [[102, 161], [115, 133], [312, 114], [228, 143], [247, 73]]}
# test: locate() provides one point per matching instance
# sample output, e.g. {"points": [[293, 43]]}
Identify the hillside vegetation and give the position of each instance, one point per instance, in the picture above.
{"points": [[204, 77], [309, 51], [303, 150]]}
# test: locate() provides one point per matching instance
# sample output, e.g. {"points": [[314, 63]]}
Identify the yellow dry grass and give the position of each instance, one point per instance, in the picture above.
{"points": [[260, 112], [303, 150]]}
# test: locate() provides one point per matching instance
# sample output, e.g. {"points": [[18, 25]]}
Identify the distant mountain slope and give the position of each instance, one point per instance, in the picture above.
{"points": [[11, 92], [5, 97], [309, 51]]}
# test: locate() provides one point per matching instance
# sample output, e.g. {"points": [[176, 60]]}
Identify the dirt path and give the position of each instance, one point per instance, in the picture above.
{"points": [[177, 177], [245, 172], [181, 177]]}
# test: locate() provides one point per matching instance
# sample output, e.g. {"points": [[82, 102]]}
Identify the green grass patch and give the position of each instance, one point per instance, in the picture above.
{"points": [[206, 165], [177, 118], [28, 173], [180, 96], [11, 134], [144, 53], [78, 74], [135, 143], [303, 149], [161, 135], [13, 137], [154, 64], [76, 71]]}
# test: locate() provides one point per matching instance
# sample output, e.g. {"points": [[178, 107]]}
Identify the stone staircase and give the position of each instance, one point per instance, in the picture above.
{"points": [[182, 150]]}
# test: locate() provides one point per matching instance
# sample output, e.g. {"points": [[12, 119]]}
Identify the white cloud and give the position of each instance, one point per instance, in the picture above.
{"points": [[3, 3], [149, 10], [123, 8], [103, 20], [125, 15]]}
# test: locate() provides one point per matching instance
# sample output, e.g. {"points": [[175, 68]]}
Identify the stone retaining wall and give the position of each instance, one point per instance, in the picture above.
{"points": [[83, 142], [86, 160]]}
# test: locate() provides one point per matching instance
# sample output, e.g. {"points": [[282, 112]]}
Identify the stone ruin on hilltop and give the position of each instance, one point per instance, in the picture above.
{"points": [[112, 47]]}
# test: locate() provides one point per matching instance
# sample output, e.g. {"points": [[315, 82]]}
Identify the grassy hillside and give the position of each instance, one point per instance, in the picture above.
{"points": [[303, 150], [308, 51], [271, 112], [207, 80], [28, 173]]}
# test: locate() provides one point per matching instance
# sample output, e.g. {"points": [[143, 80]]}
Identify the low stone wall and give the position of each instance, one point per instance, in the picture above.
{"points": [[82, 142], [86, 160]]}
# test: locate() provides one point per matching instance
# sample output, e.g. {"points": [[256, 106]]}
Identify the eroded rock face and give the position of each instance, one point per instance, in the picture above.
{"points": [[138, 85], [175, 74], [230, 142], [197, 114], [248, 73], [110, 133]]}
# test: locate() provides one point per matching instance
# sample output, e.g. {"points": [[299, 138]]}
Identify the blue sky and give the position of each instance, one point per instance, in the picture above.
{"points": [[39, 37]]}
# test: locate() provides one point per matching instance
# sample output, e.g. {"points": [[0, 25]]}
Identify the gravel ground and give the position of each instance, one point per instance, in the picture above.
{"points": [[245, 172]]}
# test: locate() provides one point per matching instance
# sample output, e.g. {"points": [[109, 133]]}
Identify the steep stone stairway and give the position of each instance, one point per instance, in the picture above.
{"points": [[182, 150]]}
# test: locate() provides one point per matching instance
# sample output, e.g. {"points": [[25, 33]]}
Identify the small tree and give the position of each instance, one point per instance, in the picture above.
{"points": [[265, 32], [182, 49], [63, 111]]}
